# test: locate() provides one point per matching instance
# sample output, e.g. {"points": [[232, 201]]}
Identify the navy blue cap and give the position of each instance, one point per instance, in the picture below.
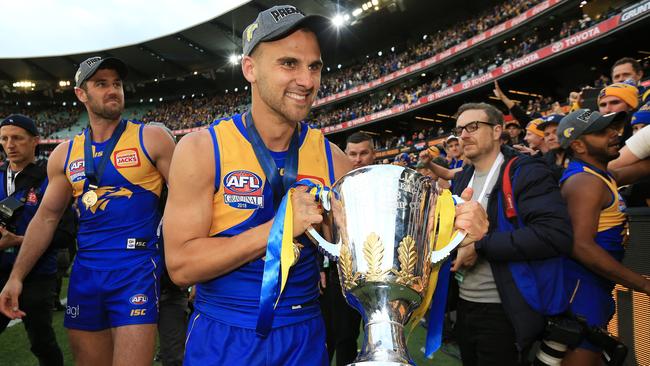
{"points": [[550, 119], [21, 121]]}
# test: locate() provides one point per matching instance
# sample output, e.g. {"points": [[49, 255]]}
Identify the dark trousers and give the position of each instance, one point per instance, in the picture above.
{"points": [[62, 265], [486, 336], [36, 302], [172, 322], [341, 321]]}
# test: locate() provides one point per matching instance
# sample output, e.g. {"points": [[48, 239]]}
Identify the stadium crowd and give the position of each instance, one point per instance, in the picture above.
{"points": [[439, 79], [374, 67], [544, 218]]}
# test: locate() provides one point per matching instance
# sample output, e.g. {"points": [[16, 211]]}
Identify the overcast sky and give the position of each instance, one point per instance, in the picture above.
{"points": [[35, 28]]}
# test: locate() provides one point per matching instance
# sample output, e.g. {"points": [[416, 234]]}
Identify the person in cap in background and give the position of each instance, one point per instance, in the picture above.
{"points": [[598, 220], [534, 138], [618, 97], [114, 172], [454, 152], [360, 149], [641, 118], [514, 132], [402, 159], [555, 157], [24, 183], [221, 208]]}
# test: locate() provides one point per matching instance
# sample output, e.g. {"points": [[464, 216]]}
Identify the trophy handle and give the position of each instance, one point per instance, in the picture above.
{"points": [[456, 238], [331, 250]]}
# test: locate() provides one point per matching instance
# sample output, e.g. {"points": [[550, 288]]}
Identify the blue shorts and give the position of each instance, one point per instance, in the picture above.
{"points": [[210, 342], [592, 301], [101, 299]]}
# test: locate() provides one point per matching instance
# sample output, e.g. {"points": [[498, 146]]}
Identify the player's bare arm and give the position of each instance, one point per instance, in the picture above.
{"points": [[160, 147], [586, 195]]}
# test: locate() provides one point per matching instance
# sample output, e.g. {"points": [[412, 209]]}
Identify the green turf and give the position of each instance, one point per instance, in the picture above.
{"points": [[14, 345]]}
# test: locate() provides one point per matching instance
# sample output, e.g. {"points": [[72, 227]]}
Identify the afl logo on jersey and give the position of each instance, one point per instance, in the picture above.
{"points": [[242, 189], [77, 170], [127, 158], [139, 299]]}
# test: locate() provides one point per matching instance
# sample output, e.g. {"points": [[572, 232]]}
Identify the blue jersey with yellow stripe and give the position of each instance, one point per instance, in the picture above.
{"points": [[243, 199], [590, 293], [612, 223], [121, 227]]}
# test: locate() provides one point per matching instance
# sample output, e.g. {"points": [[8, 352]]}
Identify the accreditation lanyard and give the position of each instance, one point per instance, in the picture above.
{"points": [[495, 166], [280, 185], [94, 176]]}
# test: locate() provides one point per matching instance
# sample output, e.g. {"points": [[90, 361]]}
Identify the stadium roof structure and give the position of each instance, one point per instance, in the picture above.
{"points": [[200, 55]]}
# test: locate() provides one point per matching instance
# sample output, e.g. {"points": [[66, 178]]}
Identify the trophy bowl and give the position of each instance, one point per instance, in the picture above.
{"points": [[382, 223]]}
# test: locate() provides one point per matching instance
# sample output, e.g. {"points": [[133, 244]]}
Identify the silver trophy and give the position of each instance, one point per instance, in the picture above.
{"points": [[382, 222]]}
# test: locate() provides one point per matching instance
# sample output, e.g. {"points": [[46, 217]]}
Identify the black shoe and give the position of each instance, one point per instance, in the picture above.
{"points": [[58, 306]]}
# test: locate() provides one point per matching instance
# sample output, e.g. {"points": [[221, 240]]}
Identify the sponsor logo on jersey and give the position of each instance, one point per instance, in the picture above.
{"points": [[127, 158], [135, 243], [139, 299], [243, 189], [77, 170]]}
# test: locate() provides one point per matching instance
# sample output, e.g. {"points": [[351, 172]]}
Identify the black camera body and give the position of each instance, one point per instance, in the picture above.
{"points": [[8, 209], [568, 331]]}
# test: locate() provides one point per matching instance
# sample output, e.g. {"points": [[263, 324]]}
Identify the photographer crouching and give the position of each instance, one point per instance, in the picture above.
{"points": [[23, 186]]}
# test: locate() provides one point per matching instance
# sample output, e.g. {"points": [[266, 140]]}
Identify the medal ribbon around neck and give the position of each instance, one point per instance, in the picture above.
{"points": [[280, 185], [280, 256], [93, 177]]}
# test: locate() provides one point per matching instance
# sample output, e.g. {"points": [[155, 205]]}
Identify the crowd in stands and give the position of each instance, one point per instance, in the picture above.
{"points": [[376, 67], [199, 111], [410, 90], [49, 120]]}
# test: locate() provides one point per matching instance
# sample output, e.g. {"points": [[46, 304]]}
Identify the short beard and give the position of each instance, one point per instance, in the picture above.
{"points": [[600, 154], [105, 113]]}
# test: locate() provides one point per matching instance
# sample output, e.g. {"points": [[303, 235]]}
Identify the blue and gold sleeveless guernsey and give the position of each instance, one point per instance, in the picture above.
{"points": [[591, 294], [114, 279], [244, 200], [122, 225]]}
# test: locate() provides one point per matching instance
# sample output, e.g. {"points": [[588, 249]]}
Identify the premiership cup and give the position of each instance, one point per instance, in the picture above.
{"points": [[382, 225]]}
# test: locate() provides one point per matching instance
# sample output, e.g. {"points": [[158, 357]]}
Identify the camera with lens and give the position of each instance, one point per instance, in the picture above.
{"points": [[568, 331], [8, 210]]}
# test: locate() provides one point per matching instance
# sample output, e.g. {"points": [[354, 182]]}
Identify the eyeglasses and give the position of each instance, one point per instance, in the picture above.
{"points": [[470, 127]]}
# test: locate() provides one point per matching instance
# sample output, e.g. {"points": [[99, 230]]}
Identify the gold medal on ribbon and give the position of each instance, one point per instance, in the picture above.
{"points": [[89, 199]]}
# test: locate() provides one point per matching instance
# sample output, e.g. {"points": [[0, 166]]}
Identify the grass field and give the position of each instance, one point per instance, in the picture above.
{"points": [[14, 346]]}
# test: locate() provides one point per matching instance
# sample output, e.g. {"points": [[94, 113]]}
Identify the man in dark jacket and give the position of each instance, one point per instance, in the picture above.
{"points": [[501, 308], [23, 184]]}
